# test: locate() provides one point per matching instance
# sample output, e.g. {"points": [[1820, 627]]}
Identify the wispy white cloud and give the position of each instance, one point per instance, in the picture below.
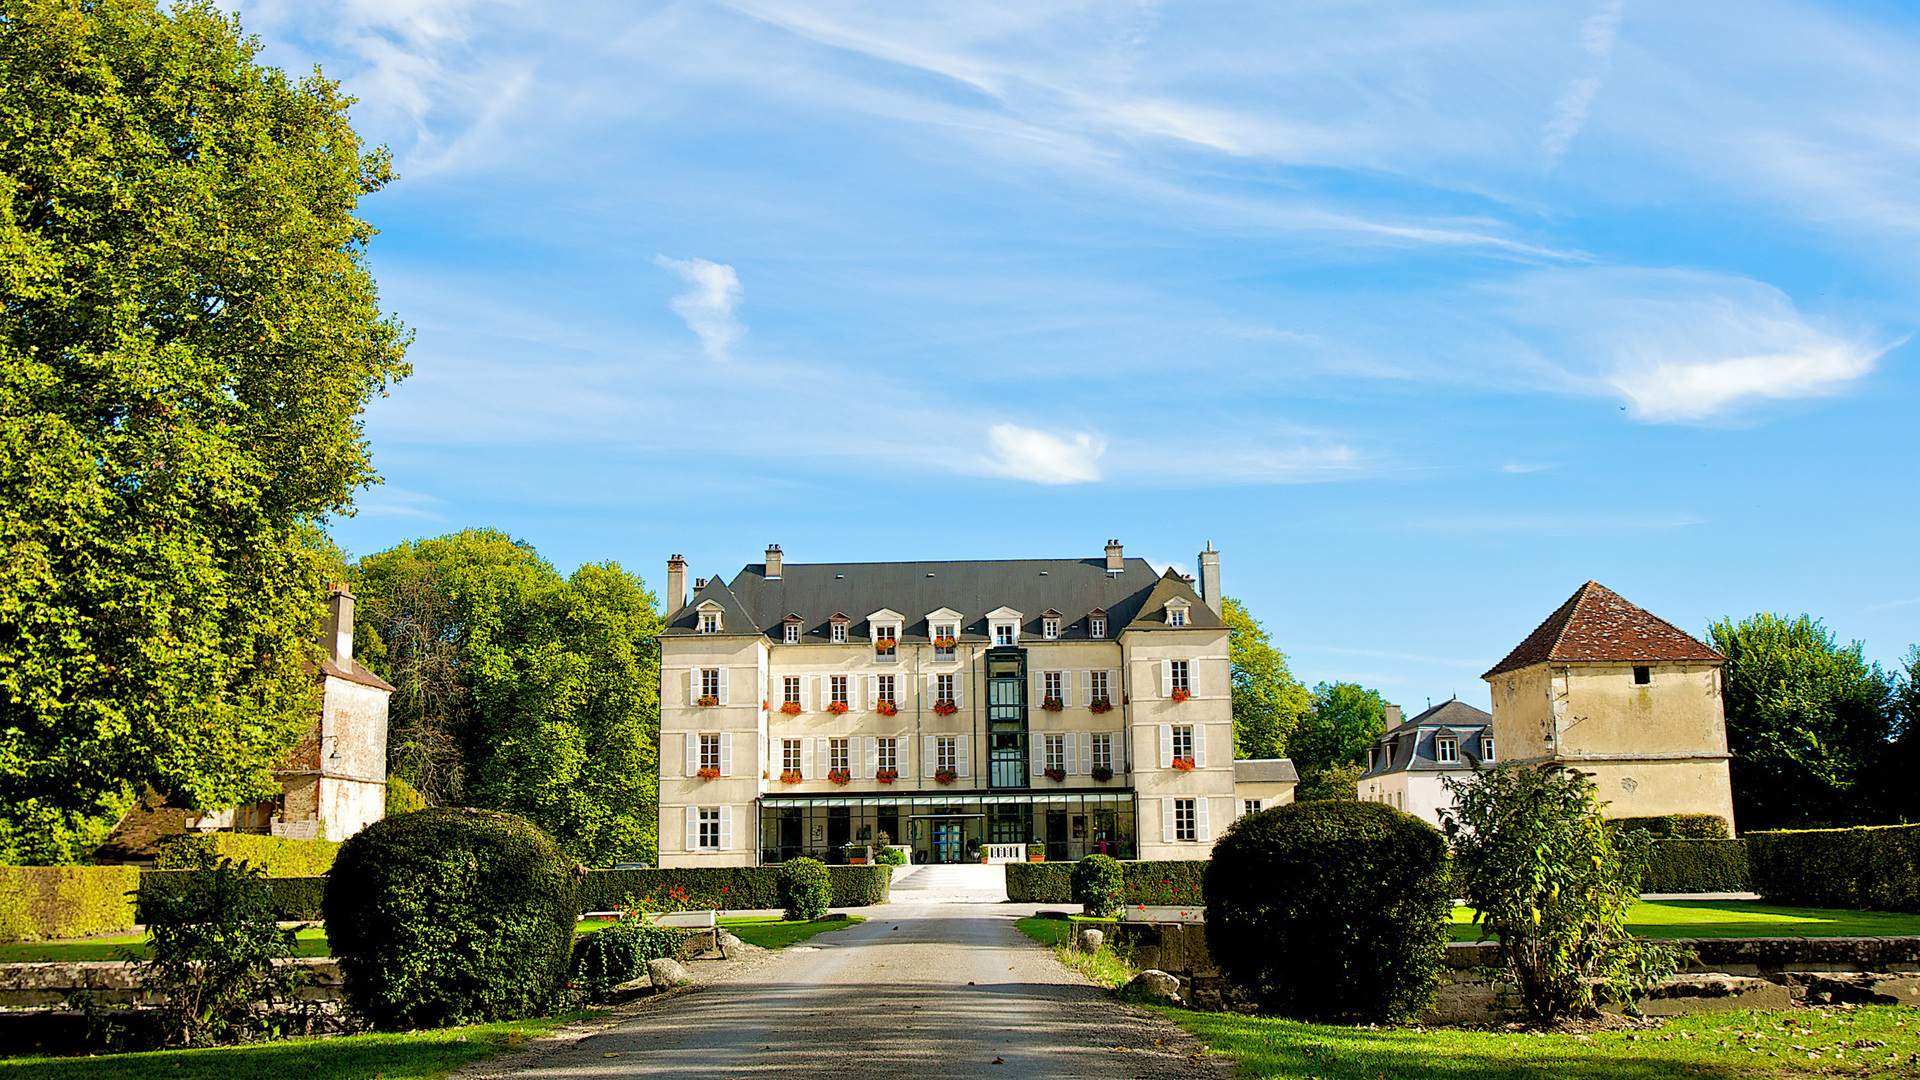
{"points": [[1570, 111], [708, 307], [1043, 457]]}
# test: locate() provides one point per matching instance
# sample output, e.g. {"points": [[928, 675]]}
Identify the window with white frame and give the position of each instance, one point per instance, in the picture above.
{"points": [[1251, 806], [709, 622], [837, 688], [1486, 748], [837, 755], [790, 690], [946, 753], [886, 689], [1176, 615], [710, 828], [1097, 626], [1183, 742], [1057, 752], [1003, 633], [1181, 676], [710, 683], [1052, 685], [793, 633], [838, 633], [886, 640], [1186, 822], [1050, 628], [943, 689], [710, 752], [790, 755], [1446, 749], [950, 635], [888, 754], [1097, 686], [1103, 751]]}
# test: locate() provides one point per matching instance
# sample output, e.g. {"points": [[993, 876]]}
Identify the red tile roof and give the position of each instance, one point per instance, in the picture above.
{"points": [[1595, 624]]}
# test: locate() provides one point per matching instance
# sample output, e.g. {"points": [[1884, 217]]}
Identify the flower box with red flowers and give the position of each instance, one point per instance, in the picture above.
{"points": [[837, 707], [1101, 704], [791, 708], [788, 777], [887, 708], [945, 708], [1101, 774], [883, 645], [1182, 695], [706, 699], [1184, 764], [945, 643], [945, 776], [708, 773], [1056, 774], [840, 776], [1052, 704], [886, 776]]}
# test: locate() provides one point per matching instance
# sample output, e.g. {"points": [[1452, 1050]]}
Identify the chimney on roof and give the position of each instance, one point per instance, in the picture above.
{"points": [[676, 585], [1115, 563], [1210, 577], [336, 635], [1393, 717], [773, 562]]}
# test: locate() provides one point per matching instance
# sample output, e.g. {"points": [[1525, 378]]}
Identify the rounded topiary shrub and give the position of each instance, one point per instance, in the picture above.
{"points": [[448, 916], [1331, 911], [805, 888], [1099, 887]]}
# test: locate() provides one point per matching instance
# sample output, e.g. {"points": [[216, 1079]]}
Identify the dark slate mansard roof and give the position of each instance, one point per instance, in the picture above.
{"points": [[1416, 739], [755, 604], [1597, 625]]}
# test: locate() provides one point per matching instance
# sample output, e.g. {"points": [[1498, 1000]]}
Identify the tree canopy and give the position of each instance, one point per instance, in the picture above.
{"points": [[518, 689], [1329, 748], [1808, 724], [1268, 702], [188, 336]]}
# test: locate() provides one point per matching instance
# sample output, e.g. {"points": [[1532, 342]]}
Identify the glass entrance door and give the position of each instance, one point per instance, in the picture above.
{"points": [[949, 840]]}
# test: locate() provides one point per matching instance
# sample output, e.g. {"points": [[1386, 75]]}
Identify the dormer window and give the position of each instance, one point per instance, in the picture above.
{"points": [[1446, 749], [884, 626], [1097, 625], [837, 629], [791, 630], [1176, 613], [709, 618], [1004, 634], [1003, 624], [1486, 748], [1050, 625]]}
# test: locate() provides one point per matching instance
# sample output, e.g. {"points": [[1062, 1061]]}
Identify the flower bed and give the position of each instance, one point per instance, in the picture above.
{"points": [[1056, 774], [1184, 764], [837, 707], [887, 776], [1052, 704], [840, 776], [1101, 774], [708, 773], [1101, 704], [790, 777], [1181, 695], [945, 708], [945, 776], [887, 708], [706, 699], [791, 708]]}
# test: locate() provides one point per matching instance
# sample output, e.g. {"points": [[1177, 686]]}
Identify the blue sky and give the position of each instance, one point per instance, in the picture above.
{"points": [[1422, 314]]}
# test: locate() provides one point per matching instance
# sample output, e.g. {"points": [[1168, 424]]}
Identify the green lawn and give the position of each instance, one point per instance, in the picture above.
{"points": [[312, 941], [1869, 1042], [1737, 919], [1056, 931], [423, 1055], [773, 932]]}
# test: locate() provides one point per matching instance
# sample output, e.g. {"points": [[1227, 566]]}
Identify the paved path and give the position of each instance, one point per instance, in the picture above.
{"points": [[937, 984]]}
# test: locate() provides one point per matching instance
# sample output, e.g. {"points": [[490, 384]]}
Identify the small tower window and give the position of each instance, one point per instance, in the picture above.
{"points": [[709, 622], [1642, 675]]}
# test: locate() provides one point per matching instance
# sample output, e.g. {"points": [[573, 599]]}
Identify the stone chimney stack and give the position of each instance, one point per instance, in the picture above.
{"points": [[336, 636], [1210, 577], [773, 562], [1394, 717], [1115, 563], [676, 585]]}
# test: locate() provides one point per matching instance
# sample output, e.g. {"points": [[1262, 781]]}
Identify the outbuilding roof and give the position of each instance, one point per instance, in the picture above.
{"points": [[1596, 625], [1277, 770]]}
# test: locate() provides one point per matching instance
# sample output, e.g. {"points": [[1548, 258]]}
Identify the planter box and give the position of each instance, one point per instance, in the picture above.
{"points": [[1036, 858], [857, 860]]}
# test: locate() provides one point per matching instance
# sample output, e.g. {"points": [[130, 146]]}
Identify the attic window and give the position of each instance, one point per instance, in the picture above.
{"points": [[1050, 627], [1642, 675], [1176, 613], [792, 636], [1446, 749], [838, 635], [1096, 626], [1486, 748], [709, 622]]}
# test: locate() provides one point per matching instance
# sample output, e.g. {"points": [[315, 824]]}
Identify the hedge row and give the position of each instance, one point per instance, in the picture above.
{"points": [[1867, 869], [38, 902], [1164, 882], [294, 899], [1677, 826], [1693, 866], [736, 888], [276, 855]]}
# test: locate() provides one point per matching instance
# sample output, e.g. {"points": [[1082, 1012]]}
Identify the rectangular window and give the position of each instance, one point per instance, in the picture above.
{"points": [[837, 688], [790, 690], [710, 752], [943, 689], [1182, 681], [1183, 742], [710, 828], [1097, 626], [790, 755], [1186, 826], [1251, 806], [837, 755], [709, 622], [1103, 751], [1052, 683], [710, 683], [1057, 752], [886, 689], [889, 754], [1486, 748], [949, 634], [1446, 749], [886, 644], [793, 633], [1642, 675], [839, 633], [1176, 616], [1050, 628], [946, 753], [1097, 686], [1003, 634]]}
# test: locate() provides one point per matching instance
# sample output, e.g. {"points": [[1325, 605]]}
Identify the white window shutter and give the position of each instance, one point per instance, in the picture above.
{"points": [[929, 755], [1086, 688], [1166, 678], [873, 691], [960, 755], [806, 759], [693, 752], [1086, 752], [873, 756], [806, 693], [1199, 746], [1166, 746], [723, 686], [1039, 688], [933, 689], [1070, 753], [1038, 746], [726, 828], [693, 685], [726, 753], [1200, 819], [1167, 829], [959, 687], [693, 828]]}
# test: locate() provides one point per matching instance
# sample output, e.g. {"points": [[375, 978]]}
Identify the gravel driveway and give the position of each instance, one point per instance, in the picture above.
{"points": [[925, 989]]}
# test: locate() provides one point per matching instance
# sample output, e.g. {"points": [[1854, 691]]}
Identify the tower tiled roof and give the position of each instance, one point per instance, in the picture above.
{"points": [[1596, 624]]}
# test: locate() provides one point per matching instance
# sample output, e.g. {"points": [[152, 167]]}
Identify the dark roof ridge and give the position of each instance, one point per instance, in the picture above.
{"points": [[1596, 624]]}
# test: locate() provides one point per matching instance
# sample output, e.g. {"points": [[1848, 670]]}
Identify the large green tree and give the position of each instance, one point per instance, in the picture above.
{"points": [[1268, 702], [1808, 723], [188, 334], [518, 689], [1329, 748]]}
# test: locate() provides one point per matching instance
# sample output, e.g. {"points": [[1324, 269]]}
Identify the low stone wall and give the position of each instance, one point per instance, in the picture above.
{"points": [[115, 982], [1731, 973]]}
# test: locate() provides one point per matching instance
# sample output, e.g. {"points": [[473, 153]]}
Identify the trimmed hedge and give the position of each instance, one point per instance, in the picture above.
{"points": [[1168, 881], [38, 902], [294, 899], [727, 888], [1690, 866], [1677, 826], [620, 953], [1867, 869], [277, 856], [805, 892]]}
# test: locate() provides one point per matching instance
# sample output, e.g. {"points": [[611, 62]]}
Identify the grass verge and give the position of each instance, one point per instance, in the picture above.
{"points": [[773, 932], [1866, 1042], [1738, 919], [1106, 967], [311, 941], [419, 1055]]}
